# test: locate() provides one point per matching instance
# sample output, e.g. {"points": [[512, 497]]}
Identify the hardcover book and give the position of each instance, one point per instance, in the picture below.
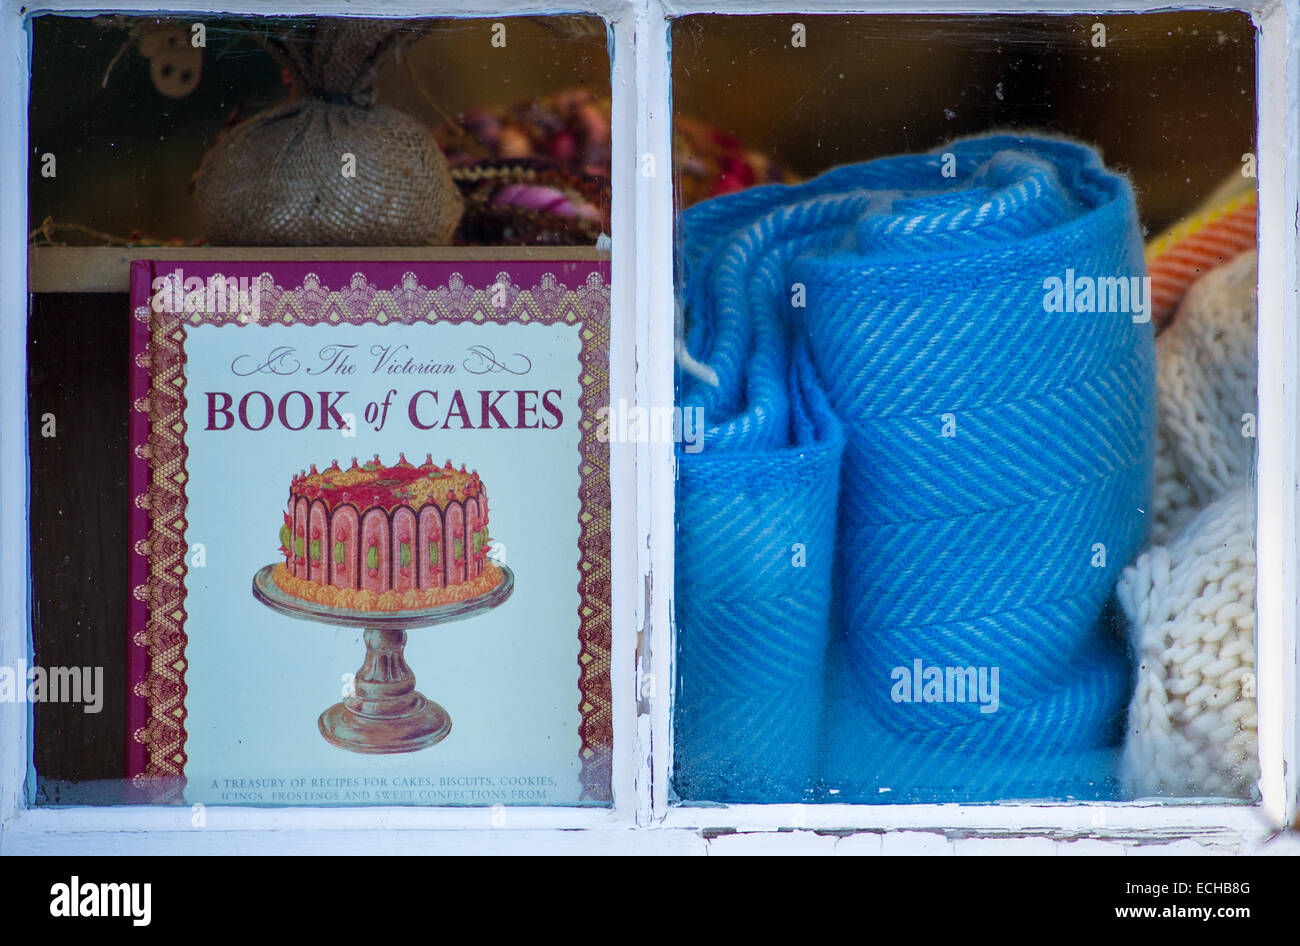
{"points": [[370, 533]]}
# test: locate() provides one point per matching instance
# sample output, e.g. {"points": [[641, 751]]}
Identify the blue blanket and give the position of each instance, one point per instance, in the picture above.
{"points": [[927, 458]]}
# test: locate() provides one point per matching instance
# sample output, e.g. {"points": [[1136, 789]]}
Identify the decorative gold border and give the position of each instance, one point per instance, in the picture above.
{"points": [[163, 637], [409, 302]]}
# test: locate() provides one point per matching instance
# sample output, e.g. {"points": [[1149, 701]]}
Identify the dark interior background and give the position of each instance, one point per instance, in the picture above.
{"points": [[126, 153], [1170, 100], [77, 370]]}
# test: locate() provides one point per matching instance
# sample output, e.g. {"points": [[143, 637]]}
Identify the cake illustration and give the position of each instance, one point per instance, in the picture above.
{"points": [[386, 538]]}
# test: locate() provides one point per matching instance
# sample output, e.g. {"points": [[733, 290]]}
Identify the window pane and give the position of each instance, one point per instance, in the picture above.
{"points": [[965, 502], [304, 293]]}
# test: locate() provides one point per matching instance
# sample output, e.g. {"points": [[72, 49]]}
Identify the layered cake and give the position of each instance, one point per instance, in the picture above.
{"points": [[386, 538]]}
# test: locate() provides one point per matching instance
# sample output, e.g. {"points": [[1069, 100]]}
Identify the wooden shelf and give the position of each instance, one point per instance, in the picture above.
{"points": [[107, 269]]}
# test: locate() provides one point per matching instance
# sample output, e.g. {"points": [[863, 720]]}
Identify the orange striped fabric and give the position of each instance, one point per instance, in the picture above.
{"points": [[1181, 255]]}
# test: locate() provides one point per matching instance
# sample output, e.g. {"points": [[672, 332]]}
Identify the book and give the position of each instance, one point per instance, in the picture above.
{"points": [[247, 375]]}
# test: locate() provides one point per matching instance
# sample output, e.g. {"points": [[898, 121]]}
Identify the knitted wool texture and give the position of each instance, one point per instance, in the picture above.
{"points": [[1190, 601], [1196, 245], [1191, 604], [1205, 382], [850, 320]]}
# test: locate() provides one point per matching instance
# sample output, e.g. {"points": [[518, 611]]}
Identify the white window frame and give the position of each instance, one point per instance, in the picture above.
{"points": [[1043, 826], [139, 827], [642, 819]]}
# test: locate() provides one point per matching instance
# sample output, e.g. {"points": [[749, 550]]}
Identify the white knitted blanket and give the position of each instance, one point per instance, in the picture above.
{"points": [[1205, 385], [1191, 607], [1190, 599]]}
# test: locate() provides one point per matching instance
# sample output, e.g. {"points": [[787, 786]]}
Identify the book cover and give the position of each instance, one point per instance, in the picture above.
{"points": [[370, 533]]}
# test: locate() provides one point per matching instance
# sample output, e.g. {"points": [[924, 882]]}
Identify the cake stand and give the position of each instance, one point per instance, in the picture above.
{"points": [[385, 713]]}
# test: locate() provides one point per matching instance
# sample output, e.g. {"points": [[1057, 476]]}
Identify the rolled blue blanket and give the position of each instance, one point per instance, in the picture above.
{"points": [[926, 460]]}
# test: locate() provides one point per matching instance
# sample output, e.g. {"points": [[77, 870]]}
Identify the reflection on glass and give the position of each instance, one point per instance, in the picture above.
{"points": [[972, 516]]}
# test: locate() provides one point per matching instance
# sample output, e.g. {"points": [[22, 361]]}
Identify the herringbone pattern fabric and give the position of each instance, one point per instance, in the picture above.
{"points": [[753, 603], [886, 363]]}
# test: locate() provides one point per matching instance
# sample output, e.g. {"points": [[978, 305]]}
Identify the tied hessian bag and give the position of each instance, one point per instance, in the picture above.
{"points": [[279, 179]]}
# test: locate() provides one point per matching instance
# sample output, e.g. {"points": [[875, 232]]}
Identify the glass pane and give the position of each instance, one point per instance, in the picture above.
{"points": [[965, 499], [304, 292]]}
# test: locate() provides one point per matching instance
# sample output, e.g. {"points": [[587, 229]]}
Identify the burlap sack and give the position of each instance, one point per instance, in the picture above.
{"points": [[279, 179]]}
